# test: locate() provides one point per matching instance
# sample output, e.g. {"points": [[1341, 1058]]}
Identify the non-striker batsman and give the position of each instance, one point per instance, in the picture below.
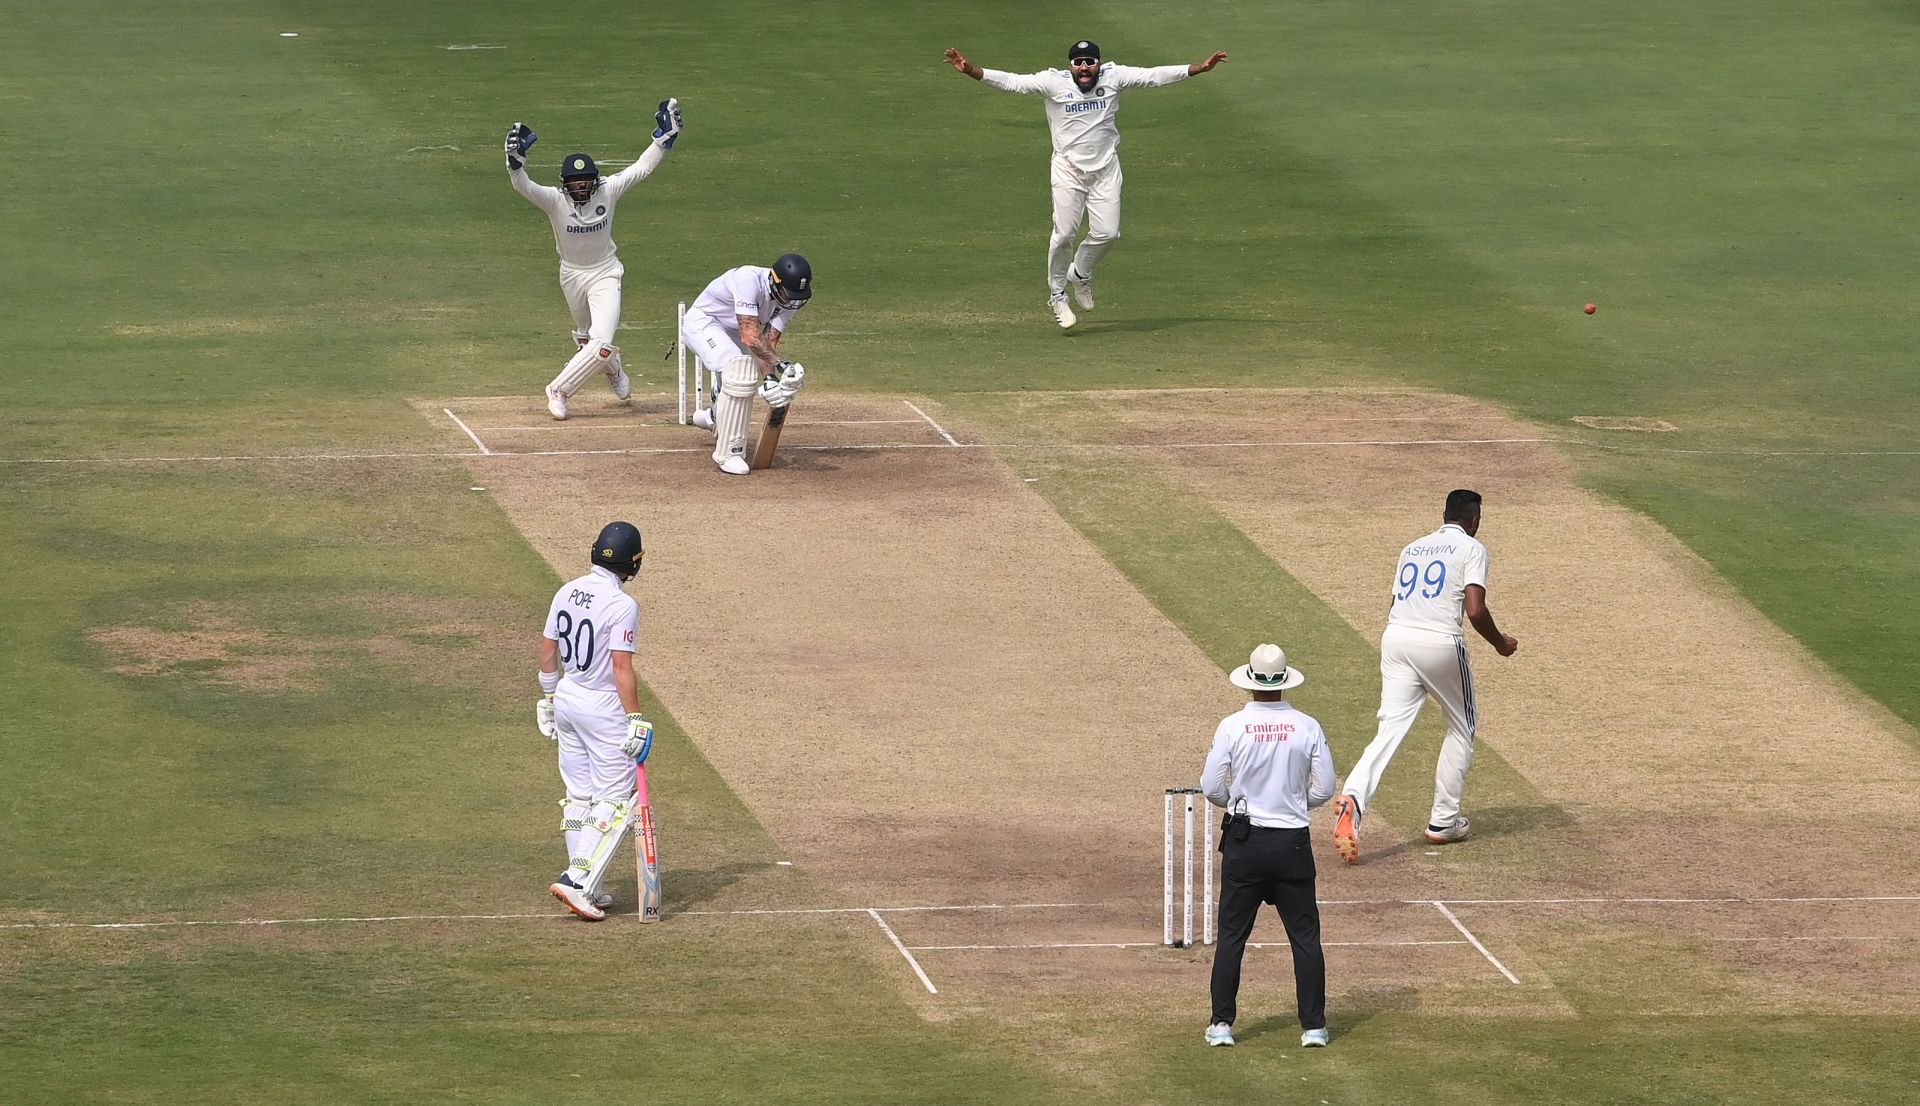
{"points": [[590, 705]]}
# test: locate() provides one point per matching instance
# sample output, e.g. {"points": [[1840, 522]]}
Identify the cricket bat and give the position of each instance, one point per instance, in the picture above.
{"points": [[769, 439], [646, 853]]}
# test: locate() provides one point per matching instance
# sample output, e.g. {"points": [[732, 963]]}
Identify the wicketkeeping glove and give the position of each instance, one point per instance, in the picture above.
{"points": [[639, 740], [543, 718], [667, 123], [520, 139]]}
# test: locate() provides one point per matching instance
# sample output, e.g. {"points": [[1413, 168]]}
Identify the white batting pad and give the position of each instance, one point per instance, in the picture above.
{"points": [[592, 358]]}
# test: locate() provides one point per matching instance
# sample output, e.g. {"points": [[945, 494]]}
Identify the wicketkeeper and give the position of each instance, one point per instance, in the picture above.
{"points": [[590, 704], [581, 212], [734, 328]]}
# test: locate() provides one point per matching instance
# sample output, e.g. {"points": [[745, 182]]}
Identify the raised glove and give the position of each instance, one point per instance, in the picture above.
{"points": [[520, 139], [543, 718], [667, 123], [639, 740]]}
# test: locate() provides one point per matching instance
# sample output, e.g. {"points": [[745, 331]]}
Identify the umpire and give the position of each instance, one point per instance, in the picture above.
{"points": [[1280, 768]]}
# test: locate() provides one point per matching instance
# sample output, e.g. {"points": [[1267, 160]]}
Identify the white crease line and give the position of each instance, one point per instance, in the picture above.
{"points": [[549, 916], [942, 430], [1158, 944], [1889, 937], [1468, 934], [1669, 901], [895, 938], [469, 430]]}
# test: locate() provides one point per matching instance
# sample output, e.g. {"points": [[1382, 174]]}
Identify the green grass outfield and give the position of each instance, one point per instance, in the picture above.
{"points": [[224, 241]]}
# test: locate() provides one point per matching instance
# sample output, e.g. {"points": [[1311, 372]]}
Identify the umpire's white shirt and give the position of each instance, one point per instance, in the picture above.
{"points": [[1084, 134], [583, 233], [1274, 757], [1430, 581]]}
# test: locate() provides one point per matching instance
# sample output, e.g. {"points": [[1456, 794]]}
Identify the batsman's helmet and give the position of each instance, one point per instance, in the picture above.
{"points": [[579, 167], [793, 278], [618, 548]]}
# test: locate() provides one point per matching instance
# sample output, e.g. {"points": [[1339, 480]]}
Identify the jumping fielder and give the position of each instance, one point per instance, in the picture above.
{"points": [[581, 212], [1422, 653], [590, 705], [734, 328], [1082, 101]]}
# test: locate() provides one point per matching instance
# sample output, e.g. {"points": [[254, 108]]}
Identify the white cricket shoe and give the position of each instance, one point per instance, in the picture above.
{"points": [[1062, 314], [1313, 1038], [1220, 1035], [1447, 835], [735, 466], [576, 899], [703, 418], [556, 403], [1082, 289], [622, 383]]}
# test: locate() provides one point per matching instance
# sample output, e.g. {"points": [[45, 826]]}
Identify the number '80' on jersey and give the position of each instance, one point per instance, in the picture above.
{"points": [[1430, 580], [591, 619]]}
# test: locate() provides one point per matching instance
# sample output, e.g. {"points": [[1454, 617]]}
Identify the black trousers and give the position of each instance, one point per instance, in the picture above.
{"points": [[1269, 866]]}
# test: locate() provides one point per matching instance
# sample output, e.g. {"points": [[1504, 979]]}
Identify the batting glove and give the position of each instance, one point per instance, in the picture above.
{"points": [[667, 123], [543, 718], [639, 740]]}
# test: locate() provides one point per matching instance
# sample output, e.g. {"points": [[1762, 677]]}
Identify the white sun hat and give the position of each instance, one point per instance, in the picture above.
{"points": [[1266, 670]]}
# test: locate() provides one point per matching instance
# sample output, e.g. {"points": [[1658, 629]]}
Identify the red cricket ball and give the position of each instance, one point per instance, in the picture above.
{"points": [[1591, 309]]}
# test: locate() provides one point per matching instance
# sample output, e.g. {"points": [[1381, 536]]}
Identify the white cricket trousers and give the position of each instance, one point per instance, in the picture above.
{"points": [[592, 726], [1095, 195], [1414, 664], [593, 296], [712, 343]]}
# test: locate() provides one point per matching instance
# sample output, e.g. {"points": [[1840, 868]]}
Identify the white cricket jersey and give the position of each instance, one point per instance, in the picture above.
{"points": [[583, 233], [741, 293], [592, 619], [1274, 757], [1082, 122], [1430, 580]]}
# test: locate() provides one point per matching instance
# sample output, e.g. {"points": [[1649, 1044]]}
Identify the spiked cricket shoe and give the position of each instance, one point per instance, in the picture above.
{"points": [[576, 899], [1449, 834], [1346, 828], [703, 418], [735, 466], [622, 383], [1082, 289], [556, 403], [1313, 1038], [1062, 314], [1220, 1035]]}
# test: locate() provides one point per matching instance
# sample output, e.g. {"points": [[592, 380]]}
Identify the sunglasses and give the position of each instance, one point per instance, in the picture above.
{"points": [[1084, 61]]}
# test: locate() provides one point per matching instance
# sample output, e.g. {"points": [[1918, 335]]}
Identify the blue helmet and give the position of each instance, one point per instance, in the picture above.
{"points": [[579, 167], [618, 549], [792, 278]]}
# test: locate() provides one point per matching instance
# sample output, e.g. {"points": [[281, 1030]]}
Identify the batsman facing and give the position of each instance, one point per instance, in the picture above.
{"points": [[590, 706], [581, 214], [735, 328]]}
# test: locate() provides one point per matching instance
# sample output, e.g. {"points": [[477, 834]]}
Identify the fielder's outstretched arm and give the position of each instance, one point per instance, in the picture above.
{"points": [[1025, 83]]}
